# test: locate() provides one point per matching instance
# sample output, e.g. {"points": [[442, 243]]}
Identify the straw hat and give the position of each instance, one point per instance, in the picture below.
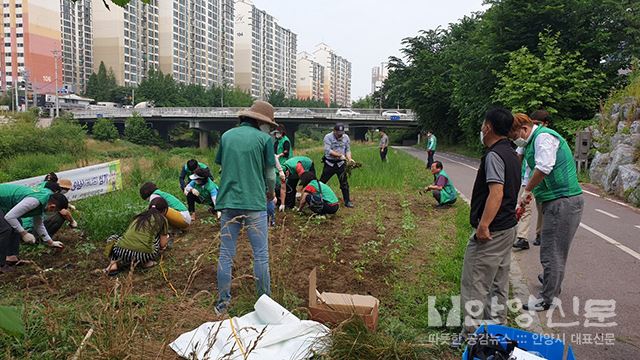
{"points": [[261, 111], [65, 184]]}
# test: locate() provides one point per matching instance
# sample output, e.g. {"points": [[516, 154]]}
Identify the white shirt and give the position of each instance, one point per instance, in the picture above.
{"points": [[546, 147]]}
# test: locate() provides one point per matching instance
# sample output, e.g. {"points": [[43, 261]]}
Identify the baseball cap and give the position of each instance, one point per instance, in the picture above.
{"points": [[339, 127]]}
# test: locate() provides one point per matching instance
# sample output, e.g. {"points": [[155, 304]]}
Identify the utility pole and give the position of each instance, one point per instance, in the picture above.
{"points": [[55, 63], [133, 96], [17, 99]]}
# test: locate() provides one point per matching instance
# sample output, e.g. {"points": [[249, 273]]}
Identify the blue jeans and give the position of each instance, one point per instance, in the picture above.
{"points": [[255, 223]]}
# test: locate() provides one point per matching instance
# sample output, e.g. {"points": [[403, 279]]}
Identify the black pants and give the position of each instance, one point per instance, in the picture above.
{"points": [[290, 197], [383, 154], [53, 223], [430, 158], [192, 200], [327, 173], [9, 240]]}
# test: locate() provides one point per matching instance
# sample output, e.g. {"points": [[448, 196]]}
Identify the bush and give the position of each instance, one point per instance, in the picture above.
{"points": [[29, 165], [137, 131], [105, 130]]}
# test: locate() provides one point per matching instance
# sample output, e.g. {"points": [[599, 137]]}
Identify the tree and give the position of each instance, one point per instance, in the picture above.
{"points": [[101, 86], [159, 88], [105, 130], [366, 102], [559, 82], [137, 131]]}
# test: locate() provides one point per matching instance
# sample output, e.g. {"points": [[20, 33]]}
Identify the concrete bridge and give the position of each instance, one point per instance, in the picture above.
{"points": [[222, 119]]}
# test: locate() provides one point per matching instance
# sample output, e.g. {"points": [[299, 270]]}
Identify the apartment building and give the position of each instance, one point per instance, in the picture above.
{"points": [[126, 39], [378, 75], [265, 52], [310, 78], [77, 44], [31, 38], [196, 41], [337, 75]]}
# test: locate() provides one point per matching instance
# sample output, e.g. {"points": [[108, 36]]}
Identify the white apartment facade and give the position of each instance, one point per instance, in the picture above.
{"points": [[265, 52], [77, 44], [337, 75], [126, 39], [196, 41], [310, 78]]}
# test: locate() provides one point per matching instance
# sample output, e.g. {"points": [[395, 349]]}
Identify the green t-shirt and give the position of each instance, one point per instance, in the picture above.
{"points": [[291, 164], [206, 190], [142, 240], [244, 153], [327, 193], [173, 201], [11, 195]]}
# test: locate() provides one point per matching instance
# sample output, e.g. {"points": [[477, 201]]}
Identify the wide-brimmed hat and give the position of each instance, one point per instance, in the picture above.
{"points": [[65, 184], [261, 111]]}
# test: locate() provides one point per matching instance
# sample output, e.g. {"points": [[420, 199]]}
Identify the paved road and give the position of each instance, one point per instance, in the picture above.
{"points": [[604, 264]]}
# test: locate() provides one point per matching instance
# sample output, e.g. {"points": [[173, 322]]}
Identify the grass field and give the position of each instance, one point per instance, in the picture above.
{"points": [[393, 245]]}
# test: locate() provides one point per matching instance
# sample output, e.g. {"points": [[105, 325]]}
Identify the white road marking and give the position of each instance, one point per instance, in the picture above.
{"points": [[458, 162], [638, 226], [610, 241], [608, 214], [607, 199]]}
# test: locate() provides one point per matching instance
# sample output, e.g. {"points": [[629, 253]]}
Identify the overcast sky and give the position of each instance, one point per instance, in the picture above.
{"points": [[366, 32]]}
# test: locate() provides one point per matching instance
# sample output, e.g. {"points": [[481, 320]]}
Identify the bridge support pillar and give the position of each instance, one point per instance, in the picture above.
{"points": [[359, 133], [163, 130], [204, 139], [291, 132]]}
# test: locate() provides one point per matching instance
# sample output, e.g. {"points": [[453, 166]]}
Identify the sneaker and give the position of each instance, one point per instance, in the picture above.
{"points": [[221, 308], [349, 204], [539, 305], [536, 242], [521, 244]]}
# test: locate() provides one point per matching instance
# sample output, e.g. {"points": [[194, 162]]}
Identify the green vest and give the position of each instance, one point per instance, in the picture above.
{"points": [[448, 192], [291, 163], [206, 190], [11, 195], [173, 201], [200, 165], [327, 194], [281, 142], [432, 142], [563, 179]]}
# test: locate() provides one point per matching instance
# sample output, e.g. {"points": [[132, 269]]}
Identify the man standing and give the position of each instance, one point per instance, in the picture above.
{"points": [[247, 160], [282, 147], [443, 190], [432, 142], [485, 272], [554, 183], [542, 118], [384, 145], [337, 151]]}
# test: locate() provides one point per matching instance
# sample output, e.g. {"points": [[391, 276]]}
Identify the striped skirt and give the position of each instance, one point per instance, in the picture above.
{"points": [[126, 256]]}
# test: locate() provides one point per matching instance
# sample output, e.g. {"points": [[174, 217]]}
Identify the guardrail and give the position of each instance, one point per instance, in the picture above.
{"points": [[207, 112]]}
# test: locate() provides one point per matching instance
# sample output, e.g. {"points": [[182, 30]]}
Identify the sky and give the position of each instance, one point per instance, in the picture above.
{"points": [[365, 32]]}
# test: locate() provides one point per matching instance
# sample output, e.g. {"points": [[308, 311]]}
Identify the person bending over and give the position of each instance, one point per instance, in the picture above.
{"points": [[319, 196], [443, 190], [177, 215], [201, 190]]}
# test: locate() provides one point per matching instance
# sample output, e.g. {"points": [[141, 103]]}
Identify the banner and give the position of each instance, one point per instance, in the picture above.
{"points": [[87, 181]]}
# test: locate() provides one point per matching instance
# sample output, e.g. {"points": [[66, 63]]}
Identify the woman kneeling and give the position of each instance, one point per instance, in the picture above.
{"points": [[143, 240]]}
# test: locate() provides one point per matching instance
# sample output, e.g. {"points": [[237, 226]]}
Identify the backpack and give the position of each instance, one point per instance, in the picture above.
{"points": [[487, 346], [316, 204]]}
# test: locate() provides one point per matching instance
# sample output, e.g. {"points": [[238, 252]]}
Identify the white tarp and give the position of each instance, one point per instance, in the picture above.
{"points": [[280, 334], [87, 181]]}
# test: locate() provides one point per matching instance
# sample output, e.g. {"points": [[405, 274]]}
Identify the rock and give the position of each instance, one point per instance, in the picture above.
{"points": [[621, 155], [615, 117], [625, 139], [621, 126], [634, 197], [614, 109], [635, 126], [598, 167], [627, 181]]}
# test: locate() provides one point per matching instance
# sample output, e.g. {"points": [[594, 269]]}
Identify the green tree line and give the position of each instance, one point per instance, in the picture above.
{"points": [[562, 55]]}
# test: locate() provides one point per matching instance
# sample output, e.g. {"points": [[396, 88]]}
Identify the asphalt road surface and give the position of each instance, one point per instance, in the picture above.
{"points": [[602, 278]]}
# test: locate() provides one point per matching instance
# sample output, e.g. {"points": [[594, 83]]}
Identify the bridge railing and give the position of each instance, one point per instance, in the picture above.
{"points": [[208, 112]]}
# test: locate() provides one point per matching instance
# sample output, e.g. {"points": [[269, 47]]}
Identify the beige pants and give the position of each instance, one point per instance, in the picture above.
{"points": [[485, 280], [525, 221]]}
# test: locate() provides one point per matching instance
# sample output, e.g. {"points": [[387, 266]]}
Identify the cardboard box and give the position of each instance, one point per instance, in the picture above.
{"points": [[334, 308]]}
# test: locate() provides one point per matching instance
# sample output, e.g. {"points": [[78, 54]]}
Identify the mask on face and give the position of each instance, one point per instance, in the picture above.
{"points": [[265, 128], [481, 137], [520, 142]]}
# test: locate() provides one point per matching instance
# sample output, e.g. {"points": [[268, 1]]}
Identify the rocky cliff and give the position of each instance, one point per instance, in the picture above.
{"points": [[616, 165]]}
